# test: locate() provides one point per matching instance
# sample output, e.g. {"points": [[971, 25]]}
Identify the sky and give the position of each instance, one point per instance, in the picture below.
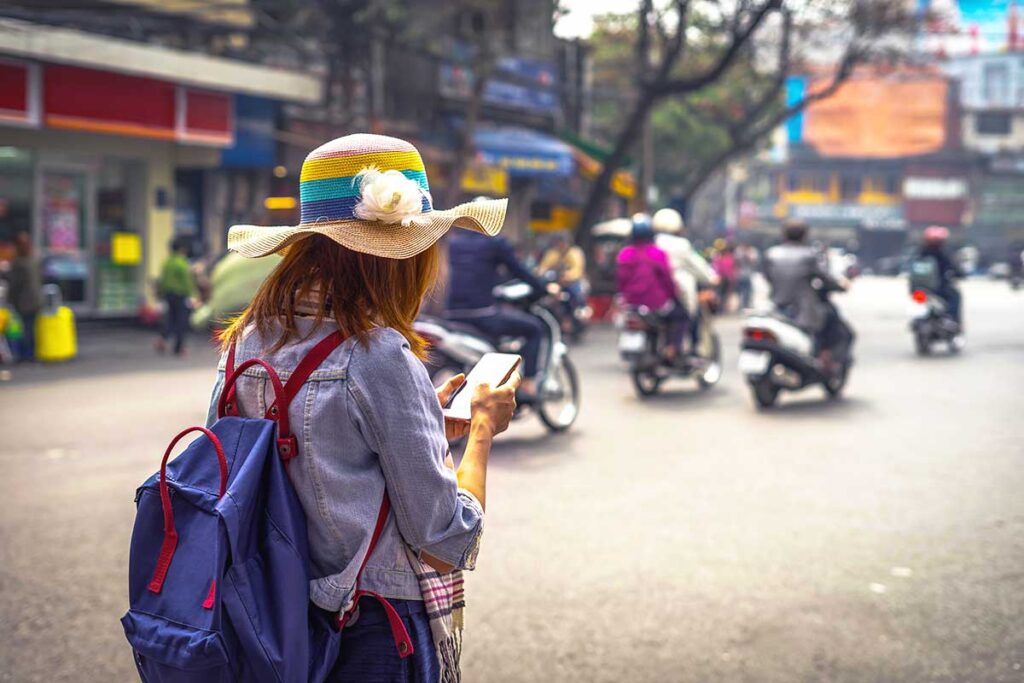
{"points": [[578, 22]]}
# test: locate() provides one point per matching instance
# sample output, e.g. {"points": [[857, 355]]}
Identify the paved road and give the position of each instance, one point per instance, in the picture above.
{"points": [[688, 538]]}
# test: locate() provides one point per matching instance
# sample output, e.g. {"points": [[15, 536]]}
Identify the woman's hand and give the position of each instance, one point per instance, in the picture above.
{"points": [[453, 429], [492, 409]]}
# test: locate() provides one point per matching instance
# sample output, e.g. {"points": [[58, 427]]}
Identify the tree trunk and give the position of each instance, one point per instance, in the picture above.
{"points": [[466, 144], [599, 190]]}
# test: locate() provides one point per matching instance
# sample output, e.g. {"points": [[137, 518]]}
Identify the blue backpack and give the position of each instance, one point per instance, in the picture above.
{"points": [[218, 578]]}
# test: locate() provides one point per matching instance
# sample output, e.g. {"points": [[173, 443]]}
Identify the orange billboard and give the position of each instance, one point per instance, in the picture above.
{"points": [[902, 113]]}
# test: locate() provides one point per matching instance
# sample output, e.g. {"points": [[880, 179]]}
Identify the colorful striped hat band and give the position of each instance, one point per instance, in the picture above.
{"points": [[333, 181], [369, 193]]}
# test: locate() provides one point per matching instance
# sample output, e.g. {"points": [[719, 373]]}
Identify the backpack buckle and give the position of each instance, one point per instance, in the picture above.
{"points": [[287, 447]]}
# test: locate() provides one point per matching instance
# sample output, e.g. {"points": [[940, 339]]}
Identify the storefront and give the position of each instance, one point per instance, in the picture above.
{"points": [[86, 167], [531, 160], [103, 146]]}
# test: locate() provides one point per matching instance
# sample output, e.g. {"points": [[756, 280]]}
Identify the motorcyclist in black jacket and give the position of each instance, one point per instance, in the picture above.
{"points": [[934, 247]]}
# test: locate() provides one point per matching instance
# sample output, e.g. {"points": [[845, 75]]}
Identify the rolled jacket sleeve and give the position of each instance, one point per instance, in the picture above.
{"points": [[403, 423]]}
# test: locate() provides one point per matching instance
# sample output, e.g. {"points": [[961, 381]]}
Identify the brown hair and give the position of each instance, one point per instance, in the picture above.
{"points": [[358, 291]]}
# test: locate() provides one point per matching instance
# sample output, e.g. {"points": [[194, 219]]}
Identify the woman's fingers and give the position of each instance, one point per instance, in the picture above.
{"points": [[445, 392]]}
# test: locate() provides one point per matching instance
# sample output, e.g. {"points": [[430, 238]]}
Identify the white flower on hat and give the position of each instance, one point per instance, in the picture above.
{"points": [[388, 197]]}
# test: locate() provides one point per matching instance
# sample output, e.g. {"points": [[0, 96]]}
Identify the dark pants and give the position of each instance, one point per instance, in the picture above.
{"points": [[27, 344], [951, 295], [576, 298], [176, 320], [678, 321], [745, 289], [513, 323], [695, 323], [368, 651], [836, 335]]}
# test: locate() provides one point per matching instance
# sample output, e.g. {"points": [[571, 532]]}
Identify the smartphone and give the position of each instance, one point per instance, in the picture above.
{"points": [[494, 369]]}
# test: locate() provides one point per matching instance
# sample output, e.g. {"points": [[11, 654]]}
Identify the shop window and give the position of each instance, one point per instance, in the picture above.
{"points": [[849, 187], [891, 184], [995, 84], [15, 196], [118, 244], [992, 123], [807, 182], [540, 211], [792, 182], [816, 183]]}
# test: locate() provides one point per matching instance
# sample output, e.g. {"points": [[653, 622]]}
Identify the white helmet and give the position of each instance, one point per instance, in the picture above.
{"points": [[667, 220]]}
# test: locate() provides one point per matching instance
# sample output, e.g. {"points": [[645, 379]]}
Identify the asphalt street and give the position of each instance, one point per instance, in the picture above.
{"points": [[688, 537]]}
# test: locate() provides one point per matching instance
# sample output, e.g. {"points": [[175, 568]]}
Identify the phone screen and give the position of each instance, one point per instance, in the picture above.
{"points": [[494, 369]]}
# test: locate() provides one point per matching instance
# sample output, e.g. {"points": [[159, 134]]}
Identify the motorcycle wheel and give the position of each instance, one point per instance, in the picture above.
{"points": [[835, 385], [765, 393], [646, 381], [921, 345], [558, 416], [713, 372], [957, 343]]}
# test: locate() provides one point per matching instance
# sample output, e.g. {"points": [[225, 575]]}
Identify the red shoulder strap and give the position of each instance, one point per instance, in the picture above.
{"points": [[382, 517], [287, 445], [317, 355]]}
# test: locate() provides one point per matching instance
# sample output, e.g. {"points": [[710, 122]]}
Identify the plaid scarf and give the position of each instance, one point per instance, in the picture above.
{"points": [[444, 599]]}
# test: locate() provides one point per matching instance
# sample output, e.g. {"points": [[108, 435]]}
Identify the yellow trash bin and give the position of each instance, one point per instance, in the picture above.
{"points": [[56, 339]]}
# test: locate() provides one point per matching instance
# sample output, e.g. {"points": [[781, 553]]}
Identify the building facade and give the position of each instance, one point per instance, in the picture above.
{"points": [[992, 100], [868, 168], [104, 141]]}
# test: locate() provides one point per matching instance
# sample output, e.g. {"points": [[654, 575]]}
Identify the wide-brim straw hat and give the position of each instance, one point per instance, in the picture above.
{"points": [[368, 193]]}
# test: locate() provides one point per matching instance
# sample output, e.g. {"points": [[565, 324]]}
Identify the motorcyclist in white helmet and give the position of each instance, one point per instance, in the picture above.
{"points": [[689, 269]]}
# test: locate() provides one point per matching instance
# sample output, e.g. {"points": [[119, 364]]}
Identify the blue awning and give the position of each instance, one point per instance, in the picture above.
{"points": [[523, 152]]}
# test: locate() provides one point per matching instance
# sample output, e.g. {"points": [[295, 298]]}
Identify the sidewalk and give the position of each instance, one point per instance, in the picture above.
{"points": [[109, 348]]}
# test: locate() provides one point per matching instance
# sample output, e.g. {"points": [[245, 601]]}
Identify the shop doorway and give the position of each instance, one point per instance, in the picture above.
{"points": [[65, 230]]}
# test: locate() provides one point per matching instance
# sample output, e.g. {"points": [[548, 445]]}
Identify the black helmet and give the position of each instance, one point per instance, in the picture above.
{"points": [[643, 229], [795, 230]]}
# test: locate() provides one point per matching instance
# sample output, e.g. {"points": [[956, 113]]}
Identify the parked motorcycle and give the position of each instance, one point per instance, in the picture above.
{"points": [[931, 323], [456, 347], [776, 354], [643, 337]]}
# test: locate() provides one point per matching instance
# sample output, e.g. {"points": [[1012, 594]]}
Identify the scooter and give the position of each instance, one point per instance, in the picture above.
{"points": [[931, 323], [776, 354], [643, 337], [456, 347], [573, 313]]}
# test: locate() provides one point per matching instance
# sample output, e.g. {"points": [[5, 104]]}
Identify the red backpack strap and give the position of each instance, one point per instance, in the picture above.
{"points": [[287, 444], [316, 356], [229, 369], [398, 631], [170, 542]]}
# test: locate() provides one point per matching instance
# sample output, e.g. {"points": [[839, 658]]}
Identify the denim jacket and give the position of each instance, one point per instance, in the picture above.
{"points": [[366, 419]]}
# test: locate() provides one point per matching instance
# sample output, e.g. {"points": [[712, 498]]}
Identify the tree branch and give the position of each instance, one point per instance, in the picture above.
{"points": [[752, 133], [740, 38]]}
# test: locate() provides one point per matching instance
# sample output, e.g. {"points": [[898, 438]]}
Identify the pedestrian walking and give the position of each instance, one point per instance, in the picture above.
{"points": [[368, 423], [746, 266], [725, 265], [26, 285], [176, 287]]}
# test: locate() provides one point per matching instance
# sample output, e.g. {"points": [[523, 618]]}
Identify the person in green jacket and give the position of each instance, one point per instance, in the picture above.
{"points": [[177, 288]]}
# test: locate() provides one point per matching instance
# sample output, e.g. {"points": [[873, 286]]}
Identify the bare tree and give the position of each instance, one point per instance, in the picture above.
{"points": [[716, 36]]}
